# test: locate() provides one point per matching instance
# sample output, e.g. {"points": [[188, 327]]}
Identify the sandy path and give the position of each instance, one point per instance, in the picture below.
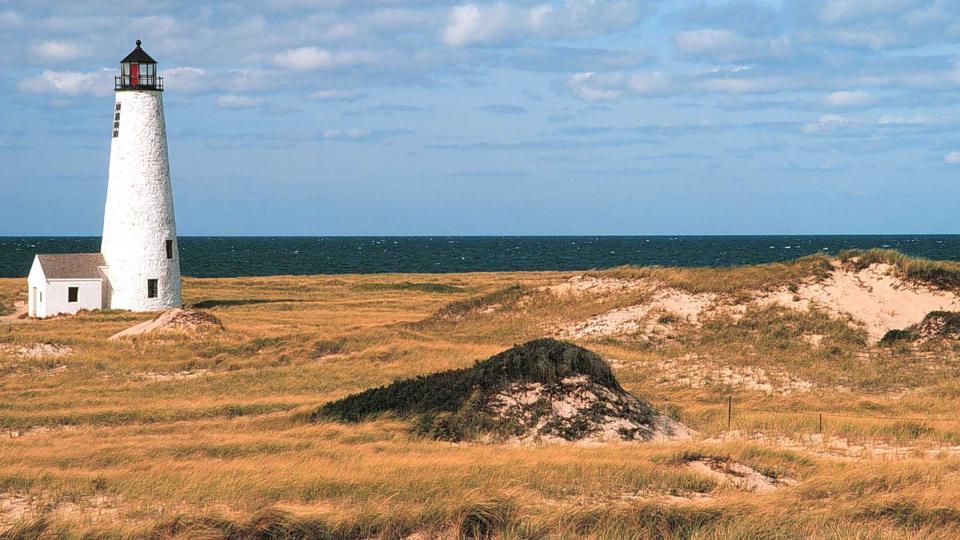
{"points": [[19, 308]]}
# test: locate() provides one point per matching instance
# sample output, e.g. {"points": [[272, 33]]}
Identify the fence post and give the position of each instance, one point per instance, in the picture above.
{"points": [[666, 422], [729, 411], [820, 425]]}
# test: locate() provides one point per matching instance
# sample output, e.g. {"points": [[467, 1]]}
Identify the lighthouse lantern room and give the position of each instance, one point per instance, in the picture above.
{"points": [[138, 71]]}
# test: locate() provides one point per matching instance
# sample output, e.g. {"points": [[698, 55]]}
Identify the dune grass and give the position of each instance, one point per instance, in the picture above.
{"points": [[185, 438]]}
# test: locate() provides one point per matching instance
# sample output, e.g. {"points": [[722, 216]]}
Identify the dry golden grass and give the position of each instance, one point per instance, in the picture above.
{"points": [[181, 437]]}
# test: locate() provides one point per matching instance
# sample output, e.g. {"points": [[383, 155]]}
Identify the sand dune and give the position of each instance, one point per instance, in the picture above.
{"points": [[875, 298]]}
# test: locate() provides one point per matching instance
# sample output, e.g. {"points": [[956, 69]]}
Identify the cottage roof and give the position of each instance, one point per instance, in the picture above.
{"points": [[72, 265]]}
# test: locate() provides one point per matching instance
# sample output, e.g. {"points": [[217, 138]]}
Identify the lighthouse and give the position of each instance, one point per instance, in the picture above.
{"points": [[139, 242], [138, 267]]}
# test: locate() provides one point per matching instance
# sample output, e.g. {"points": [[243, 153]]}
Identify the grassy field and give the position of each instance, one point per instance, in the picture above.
{"points": [[210, 437]]}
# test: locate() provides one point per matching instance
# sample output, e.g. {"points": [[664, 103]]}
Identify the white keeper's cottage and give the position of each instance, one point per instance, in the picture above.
{"points": [[138, 267]]}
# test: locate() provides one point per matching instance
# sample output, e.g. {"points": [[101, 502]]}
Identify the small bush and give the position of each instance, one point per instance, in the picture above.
{"points": [[893, 336], [465, 306], [326, 347], [441, 288]]}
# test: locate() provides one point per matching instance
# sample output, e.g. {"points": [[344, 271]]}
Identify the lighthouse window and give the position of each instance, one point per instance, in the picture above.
{"points": [[72, 293], [116, 117], [116, 133], [169, 249], [151, 288], [118, 107]]}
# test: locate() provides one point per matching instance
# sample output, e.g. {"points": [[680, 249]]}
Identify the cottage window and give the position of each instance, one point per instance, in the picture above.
{"points": [[72, 293], [151, 288], [169, 249]]}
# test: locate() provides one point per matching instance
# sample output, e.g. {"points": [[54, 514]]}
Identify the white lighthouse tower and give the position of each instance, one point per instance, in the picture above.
{"points": [[139, 243]]}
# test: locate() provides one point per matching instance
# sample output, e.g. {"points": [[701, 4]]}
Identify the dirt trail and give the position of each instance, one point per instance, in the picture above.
{"points": [[19, 309], [739, 475], [173, 320]]}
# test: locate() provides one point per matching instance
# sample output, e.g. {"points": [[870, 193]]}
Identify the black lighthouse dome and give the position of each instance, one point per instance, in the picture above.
{"points": [[138, 71]]}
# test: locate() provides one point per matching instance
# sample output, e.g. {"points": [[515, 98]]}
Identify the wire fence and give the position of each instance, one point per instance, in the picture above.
{"points": [[732, 410]]}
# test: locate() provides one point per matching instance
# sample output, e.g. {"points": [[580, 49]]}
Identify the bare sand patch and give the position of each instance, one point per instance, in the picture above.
{"points": [[875, 296], [36, 351], [580, 285], [17, 507], [184, 375], [738, 475], [173, 321], [19, 311], [664, 302], [690, 372], [843, 447], [581, 411]]}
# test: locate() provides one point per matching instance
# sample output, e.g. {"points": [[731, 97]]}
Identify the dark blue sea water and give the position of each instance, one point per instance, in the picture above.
{"points": [[222, 256]]}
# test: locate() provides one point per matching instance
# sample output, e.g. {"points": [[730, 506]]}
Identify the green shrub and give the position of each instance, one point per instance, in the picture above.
{"points": [[409, 286], [451, 402]]}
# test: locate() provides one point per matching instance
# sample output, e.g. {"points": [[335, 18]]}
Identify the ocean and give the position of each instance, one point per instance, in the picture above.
{"points": [[227, 256]]}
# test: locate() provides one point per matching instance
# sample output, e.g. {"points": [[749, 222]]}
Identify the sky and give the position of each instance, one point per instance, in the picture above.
{"points": [[404, 117]]}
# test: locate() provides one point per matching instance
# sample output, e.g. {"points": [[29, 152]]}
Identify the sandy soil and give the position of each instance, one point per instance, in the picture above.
{"points": [[575, 401], [665, 301], [20, 506], [19, 310], [174, 376], [689, 371], [36, 351], [875, 296], [739, 475], [174, 320]]}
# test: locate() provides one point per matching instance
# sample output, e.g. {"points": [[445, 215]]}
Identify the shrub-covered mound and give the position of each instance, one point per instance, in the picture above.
{"points": [[935, 325], [542, 390]]}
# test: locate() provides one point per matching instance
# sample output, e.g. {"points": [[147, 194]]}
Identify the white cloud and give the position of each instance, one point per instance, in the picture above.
{"points": [[186, 79], [10, 18], [476, 24], [849, 98], [952, 158], [239, 102], [593, 87], [336, 95], [612, 86], [710, 41], [729, 46], [649, 84], [471, 24], [56, 51], [834, 11], [740, 85], [310, 58], [70, 83], [352, 134], [827, 122]]}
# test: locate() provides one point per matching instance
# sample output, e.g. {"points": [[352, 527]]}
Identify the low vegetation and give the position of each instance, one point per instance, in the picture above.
{"points": [[459, 404], [211, 435], [943, 274]]}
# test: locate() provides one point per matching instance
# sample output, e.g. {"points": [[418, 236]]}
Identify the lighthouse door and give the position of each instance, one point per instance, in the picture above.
{"points": [[134, 74]]}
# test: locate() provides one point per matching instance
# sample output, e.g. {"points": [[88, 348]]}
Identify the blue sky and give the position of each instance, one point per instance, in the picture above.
{"points": [[355, 117]]}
